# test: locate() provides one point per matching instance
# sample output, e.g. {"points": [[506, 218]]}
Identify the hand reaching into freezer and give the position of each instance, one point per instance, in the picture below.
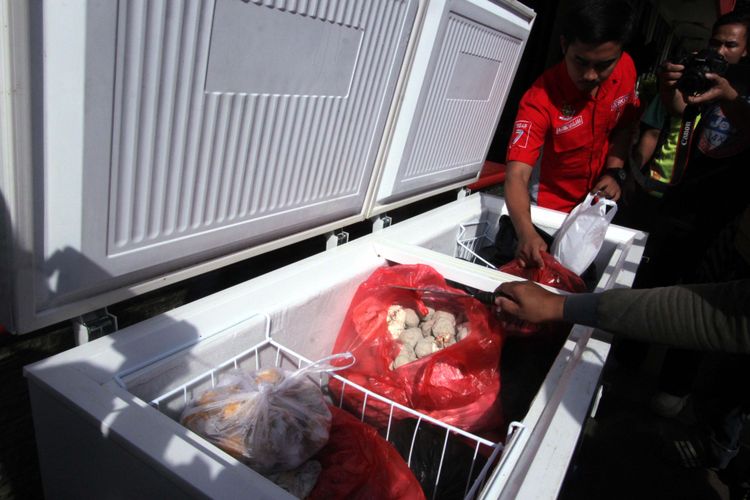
{"points": [[530, 248], [530, 302], [708, 316], [514, 314], [530, 243]]}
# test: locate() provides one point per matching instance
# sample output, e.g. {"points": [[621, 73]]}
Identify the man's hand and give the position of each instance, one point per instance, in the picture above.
{"points": [[529, 249], [530, 302], [517, 199], [608, 187], [722, 90], [669, 74], [671, 97]]}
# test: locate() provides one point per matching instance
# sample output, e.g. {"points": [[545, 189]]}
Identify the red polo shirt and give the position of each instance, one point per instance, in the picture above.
{"points": [[573, 128]]}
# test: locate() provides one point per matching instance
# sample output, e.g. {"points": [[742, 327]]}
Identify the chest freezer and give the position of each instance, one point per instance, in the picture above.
{"points": [[145, 142], [109, 409]]}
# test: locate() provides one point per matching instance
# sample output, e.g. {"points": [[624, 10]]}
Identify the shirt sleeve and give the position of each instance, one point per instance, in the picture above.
{"points": [[713, 316], [530, 127], [633, 107]]}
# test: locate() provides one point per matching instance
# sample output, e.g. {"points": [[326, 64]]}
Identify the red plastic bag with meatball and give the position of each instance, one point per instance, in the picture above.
{"points": [[437, 354]]}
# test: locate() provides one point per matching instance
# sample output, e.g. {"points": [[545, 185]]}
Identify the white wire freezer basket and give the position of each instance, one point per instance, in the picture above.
{"points": [[472, 236], [483, 454]]}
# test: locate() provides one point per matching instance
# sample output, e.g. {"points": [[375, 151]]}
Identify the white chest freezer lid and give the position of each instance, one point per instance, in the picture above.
{"points": [[169, 139], [462, 72]]}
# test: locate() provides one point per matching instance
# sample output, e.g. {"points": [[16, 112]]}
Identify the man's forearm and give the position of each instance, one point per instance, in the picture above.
{"points": [[646, 146], [517, 196], [622, 139], [673, 101], [708, 317]]}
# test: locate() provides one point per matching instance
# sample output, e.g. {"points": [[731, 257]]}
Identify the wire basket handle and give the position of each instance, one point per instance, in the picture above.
{"points": [[324, 365]]}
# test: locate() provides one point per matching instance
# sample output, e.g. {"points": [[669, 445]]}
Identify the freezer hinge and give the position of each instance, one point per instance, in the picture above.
{"points": [[334, 239], [381, 222], [91, 326]]}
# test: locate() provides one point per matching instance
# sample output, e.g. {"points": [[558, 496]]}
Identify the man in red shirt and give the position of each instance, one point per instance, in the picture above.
{"points": [[581, 113]]}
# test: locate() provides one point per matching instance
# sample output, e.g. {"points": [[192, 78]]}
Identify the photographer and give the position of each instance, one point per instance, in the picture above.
{"points": [[695, 180], [724, 103], [688, 166]]}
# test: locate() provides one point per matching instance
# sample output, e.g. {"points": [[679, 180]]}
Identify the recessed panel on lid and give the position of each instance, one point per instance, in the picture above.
{"points": [[468, 87], [262, 51], [449, 128]]}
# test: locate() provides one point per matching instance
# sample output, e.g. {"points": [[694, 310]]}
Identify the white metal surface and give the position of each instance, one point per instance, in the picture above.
{"points": [[105, 201]]}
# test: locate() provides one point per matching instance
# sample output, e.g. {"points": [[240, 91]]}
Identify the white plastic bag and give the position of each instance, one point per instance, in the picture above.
{"points": [[577, 242]]}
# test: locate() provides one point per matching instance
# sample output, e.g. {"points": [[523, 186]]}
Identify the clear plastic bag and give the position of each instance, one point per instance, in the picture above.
{"points": [[271, 419], [581, 235]]}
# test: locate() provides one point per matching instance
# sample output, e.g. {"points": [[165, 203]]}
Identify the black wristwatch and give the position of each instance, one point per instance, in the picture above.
{"points": [[618, 174]]}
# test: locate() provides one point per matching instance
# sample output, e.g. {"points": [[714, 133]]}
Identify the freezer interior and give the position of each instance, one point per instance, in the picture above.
{"points": [[426, 444], [290, 318]]}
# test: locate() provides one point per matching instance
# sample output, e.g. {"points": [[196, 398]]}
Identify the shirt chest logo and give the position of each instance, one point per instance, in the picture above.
{"points": [[574, 123], [567, 111], [620, 102]]}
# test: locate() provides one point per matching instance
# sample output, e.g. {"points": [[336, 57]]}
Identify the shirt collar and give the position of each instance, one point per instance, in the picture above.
{"points": [[570, 92]]}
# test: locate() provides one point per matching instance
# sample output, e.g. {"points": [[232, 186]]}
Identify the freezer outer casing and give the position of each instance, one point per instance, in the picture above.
{"points": [[82, 395]]}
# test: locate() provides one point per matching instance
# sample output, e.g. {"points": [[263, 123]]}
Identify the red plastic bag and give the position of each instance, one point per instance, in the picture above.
{"points": [[458, 385], [552, 274], [359, 464]]}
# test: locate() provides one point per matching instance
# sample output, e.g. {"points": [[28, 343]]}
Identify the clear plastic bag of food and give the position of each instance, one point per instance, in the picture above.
{"points": [[271, 419]]}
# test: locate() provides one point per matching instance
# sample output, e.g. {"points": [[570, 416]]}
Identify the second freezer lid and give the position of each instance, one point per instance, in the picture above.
{"points": [[449, 113]]}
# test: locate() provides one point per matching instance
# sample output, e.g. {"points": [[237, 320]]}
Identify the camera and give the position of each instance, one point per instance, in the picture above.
{"points": [[693, 80]]}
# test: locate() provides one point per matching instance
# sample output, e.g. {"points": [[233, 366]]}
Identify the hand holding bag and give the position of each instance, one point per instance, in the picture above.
{"points": [[581, 235]]}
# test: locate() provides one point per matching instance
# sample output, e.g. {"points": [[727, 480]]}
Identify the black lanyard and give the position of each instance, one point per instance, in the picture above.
{"points": [[682, 153]]}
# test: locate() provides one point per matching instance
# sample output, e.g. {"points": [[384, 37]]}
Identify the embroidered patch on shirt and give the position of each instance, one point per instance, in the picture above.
{"points": [[620, 102], [568, 111], [575, 122], [521, 131]]}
